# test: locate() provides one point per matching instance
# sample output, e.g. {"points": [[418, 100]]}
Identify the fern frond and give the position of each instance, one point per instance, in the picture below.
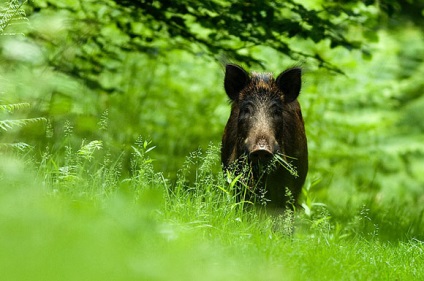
{"points": [[87, 150], [14, 107], [9, 124], [18, 145], [13, 12]]}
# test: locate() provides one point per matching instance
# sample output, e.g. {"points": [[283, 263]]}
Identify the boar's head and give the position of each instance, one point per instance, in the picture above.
{"points": [[259, 105]]}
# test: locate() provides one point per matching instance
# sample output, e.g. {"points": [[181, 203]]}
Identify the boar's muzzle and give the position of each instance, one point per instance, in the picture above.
{"points": [[262, 152], [261, 155]]}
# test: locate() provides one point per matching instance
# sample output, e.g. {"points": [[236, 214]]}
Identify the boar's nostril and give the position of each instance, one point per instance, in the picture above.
{"points": [[261, 155]]}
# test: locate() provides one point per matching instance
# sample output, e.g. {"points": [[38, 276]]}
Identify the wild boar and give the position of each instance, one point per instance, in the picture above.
{"points": [[266, 129]]}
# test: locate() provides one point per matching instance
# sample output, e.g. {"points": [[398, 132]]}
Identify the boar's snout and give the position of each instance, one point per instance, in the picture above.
{"points": [[261, 152], [261, 155]]}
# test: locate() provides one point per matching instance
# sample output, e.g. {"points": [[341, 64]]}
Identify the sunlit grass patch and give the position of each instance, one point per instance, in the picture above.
{"points": [[96, 225]]}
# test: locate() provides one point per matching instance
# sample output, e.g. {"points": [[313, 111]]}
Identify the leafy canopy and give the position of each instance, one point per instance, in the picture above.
{"points": [[226, 27], [223, 30]]}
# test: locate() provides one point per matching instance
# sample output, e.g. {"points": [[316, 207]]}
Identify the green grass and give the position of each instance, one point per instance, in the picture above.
{"points": [[87, 224]]}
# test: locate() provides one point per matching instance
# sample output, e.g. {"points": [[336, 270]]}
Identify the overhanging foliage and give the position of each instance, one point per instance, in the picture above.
{"points": [[223, 30]]}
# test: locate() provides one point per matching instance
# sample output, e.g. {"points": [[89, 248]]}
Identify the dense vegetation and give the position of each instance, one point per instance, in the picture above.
{"points": [[111, 114]]}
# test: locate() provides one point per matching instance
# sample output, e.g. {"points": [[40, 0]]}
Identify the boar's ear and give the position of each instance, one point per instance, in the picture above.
{"points": [[289, 82], [236, 78]]}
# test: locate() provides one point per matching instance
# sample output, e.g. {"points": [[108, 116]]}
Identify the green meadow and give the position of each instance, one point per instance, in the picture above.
{"points": [[110, 146]]}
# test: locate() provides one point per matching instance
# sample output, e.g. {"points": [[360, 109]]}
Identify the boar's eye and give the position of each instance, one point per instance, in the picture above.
{"points": [[276, 111], [245, 111]]}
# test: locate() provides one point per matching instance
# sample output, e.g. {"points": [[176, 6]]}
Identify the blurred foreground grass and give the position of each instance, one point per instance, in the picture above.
{"points": [[56, 228]]}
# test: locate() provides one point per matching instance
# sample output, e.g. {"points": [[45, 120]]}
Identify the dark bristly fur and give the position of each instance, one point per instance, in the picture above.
{"points": [[265, 121]]}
